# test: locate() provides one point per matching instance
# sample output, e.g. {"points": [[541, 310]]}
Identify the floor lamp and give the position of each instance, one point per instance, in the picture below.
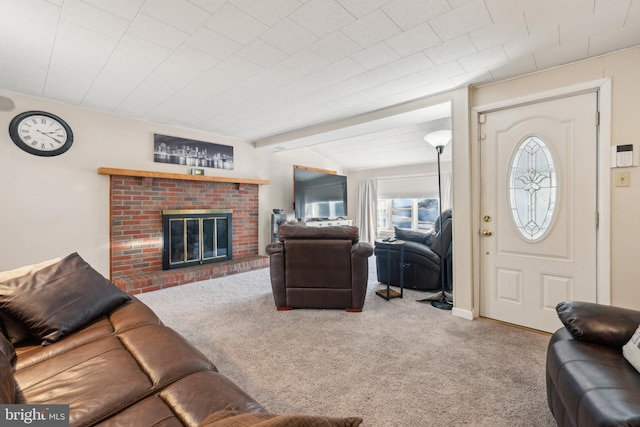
{"points": [[438, 140]]}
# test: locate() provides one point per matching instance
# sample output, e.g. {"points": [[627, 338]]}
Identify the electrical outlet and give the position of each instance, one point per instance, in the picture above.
{"points": [[623, 179]]}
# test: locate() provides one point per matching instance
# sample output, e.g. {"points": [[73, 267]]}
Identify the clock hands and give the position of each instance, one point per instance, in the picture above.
{"points": [[47, 134]]}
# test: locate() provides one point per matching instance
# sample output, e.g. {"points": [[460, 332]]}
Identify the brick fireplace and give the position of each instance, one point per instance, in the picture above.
{"points": [[136, 207]]}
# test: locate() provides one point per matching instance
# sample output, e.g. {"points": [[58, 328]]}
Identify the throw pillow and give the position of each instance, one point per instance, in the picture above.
{"points": [[631, 350], [413, 236], [601, 324], [7, 383], [58, 299], [232, 418], [12, 330]]}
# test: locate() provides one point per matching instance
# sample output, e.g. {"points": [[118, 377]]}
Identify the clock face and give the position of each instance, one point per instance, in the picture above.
{"points": [[41, 133]]}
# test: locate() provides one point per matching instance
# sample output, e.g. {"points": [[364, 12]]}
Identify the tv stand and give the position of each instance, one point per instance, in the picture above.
{"points": [[328, 222]]}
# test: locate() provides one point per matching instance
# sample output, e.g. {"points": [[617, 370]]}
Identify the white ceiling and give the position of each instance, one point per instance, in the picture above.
{"points": [[257, 69]]}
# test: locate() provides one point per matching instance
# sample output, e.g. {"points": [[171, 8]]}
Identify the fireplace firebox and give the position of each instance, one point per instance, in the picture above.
{"points": [[196, 236]]}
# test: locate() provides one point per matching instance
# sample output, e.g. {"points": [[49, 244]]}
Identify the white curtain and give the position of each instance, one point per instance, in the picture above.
{"points": [[366, 210], [446, 189]]}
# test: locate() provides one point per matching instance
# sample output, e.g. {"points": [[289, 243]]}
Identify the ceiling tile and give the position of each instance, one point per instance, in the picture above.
{"points": [[142, 48], [517, 67], [262, 53], [375, 56], [569, 52], [158, 32], [94, 19], [466, 18], [27, 43], [414, 40], [609, 19], [165, 81], [304, 62], [22, 79], [194, 58], [121, 75], [193, 95], [221, 78], [486, 59], [451, 50], [614, 40], [408, 65], [443, 71], [81, 50], [361, 8], [239, 66], [35, 12], [279, 75], [210, 6], [498, 33], [527, 45], [126, 9], [322, 17], [333, 73], [213, 44], [179, 14], [65, 84], [409, 13], [269, 12], [236, 25], [334, 47], [360, 31], [501, 10], [289, 36]]}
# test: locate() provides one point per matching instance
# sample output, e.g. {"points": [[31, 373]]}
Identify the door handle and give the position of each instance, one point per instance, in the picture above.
{"points": [[487, 233]]}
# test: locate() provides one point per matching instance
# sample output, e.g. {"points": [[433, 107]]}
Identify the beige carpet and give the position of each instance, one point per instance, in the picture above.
{"points": [[398, 363]]}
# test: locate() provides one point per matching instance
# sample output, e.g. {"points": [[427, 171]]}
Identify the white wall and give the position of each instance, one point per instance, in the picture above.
{"points": [[52, 206]]}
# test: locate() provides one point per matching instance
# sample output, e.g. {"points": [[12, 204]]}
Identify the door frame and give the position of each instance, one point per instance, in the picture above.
{"points": [[603, 232]]}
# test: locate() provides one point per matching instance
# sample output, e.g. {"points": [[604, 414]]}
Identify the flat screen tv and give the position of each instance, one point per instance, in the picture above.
{"points": [[319, 195]]}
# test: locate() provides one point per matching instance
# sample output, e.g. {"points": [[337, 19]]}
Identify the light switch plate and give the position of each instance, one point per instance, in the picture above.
{"points": [[623, 179]]}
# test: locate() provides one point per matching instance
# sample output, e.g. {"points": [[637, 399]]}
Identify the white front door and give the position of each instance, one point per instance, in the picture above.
{"points": [[538, 209]]}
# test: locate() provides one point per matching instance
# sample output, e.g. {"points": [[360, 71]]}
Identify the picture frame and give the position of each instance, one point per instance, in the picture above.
{"points": [[190, 152]]}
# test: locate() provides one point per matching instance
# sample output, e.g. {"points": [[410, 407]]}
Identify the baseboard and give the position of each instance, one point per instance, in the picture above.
{"points": [[459, 312]]}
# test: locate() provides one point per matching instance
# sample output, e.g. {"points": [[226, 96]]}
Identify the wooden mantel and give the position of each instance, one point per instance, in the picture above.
{"points": [[185, 177]]}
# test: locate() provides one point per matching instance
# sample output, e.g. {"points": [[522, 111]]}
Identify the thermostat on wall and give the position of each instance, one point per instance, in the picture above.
{"points": [[623, 156]]}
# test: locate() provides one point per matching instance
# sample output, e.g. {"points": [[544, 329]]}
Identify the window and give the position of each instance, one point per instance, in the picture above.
{"points": [[533, 188], [414, 214]]}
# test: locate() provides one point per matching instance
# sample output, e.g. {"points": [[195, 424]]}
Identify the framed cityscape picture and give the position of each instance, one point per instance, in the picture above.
{"points": [[189, 152]]}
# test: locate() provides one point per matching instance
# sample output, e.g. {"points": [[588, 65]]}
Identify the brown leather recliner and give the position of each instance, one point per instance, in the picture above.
{"points": [[319, 267]]}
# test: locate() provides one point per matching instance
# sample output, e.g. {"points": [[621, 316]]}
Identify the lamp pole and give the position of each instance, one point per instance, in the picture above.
{"points": [[438, 140], [442, 303]]}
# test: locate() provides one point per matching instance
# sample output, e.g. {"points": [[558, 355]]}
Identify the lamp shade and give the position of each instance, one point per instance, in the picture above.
{"points": [[439, 138]]}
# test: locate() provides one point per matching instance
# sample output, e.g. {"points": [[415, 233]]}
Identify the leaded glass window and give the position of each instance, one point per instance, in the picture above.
{"points": [[533, 187]]}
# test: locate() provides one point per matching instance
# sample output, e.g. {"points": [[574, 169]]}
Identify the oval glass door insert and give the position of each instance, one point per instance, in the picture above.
{"points": [[533, 188]]}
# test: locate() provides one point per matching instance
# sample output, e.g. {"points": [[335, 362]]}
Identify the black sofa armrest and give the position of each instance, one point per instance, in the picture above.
{"points": [[601, 324]]}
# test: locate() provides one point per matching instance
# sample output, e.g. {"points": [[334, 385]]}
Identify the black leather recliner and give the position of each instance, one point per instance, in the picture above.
{"points": [[589, 381], [422, 253]]}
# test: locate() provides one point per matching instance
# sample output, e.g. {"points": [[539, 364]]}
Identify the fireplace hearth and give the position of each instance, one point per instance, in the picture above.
{"points": [[196, 236]]}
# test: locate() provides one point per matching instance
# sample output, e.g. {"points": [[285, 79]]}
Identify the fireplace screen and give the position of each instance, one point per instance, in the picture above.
{"points": [[196, 236]]}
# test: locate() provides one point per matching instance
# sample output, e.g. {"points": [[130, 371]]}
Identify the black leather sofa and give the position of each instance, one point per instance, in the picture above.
{"points": [[589, 382], [422, 253]]}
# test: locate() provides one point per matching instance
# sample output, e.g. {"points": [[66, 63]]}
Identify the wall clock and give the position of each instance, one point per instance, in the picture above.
{"points": [[41, 133]]}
